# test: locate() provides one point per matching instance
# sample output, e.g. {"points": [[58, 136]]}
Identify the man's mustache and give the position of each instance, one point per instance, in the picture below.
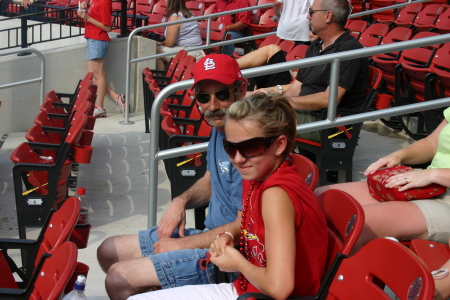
{"points": [[216, 113]]}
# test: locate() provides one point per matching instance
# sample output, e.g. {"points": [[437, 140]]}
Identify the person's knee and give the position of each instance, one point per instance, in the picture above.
{"points": [[106, 254], [272, 49], [117, 286]]}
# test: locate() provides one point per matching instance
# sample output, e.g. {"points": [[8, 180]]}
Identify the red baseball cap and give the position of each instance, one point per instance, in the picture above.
{"points": [[218, 67]]}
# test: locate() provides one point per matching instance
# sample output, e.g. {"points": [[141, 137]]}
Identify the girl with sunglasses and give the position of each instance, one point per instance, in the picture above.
{"points": [[282, 241]]}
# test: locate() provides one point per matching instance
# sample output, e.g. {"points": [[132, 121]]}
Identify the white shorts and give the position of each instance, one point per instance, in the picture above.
{"points": [[222, 291], [198, 54], [437, 216]]}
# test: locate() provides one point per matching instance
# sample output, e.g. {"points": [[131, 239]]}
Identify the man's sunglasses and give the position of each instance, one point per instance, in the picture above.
{"points": [[312, 11], [249, 148], [222, 95]]}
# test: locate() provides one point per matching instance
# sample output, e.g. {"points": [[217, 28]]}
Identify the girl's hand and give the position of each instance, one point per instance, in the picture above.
{"points": [[229, 260], [83, 5], [387, 161], [84, 15], [409, 180], [217, 247]]}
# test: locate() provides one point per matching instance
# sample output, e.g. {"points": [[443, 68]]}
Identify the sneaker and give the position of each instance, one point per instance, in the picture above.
{"points": [[99, 112], [121, 103]]}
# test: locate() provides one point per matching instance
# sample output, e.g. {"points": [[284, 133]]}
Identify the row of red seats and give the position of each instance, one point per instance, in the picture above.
{"points": [[45, 167], [365, 5], [413, 75], [59, 140], [417, 16]]}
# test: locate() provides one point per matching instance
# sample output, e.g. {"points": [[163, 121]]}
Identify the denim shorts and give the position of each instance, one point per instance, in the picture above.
{"points": [[176, 268], [96, 49]]}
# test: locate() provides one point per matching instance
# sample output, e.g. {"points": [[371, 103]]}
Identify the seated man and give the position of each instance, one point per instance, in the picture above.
{"points": [[168, 255], [310, 91], [236, 23]]}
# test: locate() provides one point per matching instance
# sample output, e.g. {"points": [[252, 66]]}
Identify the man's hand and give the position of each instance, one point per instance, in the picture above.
{"points": [[167, 244], [25, 3], [174, 217]]}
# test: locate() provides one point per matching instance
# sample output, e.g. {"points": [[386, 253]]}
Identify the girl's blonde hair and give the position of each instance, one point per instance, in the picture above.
{"points": [[274, 113]]}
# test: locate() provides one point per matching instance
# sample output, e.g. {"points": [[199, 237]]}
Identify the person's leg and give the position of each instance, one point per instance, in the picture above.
{"points": [[160, 62], [97, 66], [130, 277], [304, 117], [168, 270], [257, 58], [229, 49], [118, 248]]}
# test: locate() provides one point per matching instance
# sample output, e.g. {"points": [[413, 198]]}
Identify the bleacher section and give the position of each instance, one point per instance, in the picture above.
{"points": [[44, 169]]}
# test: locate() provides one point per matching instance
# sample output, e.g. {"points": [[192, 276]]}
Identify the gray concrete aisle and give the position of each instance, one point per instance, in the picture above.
{"points": [[117, 183]]}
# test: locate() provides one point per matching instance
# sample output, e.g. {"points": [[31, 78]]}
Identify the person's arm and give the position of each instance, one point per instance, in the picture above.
{"points": [[197, 195], [201, 240], [277, 8], [277, 278], [236, 26], [85, 16], [419, 152], [172, 32], [313, 101]]}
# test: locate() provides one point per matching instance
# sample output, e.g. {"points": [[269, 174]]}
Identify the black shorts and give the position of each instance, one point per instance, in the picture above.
{"points": [[275, 78]]}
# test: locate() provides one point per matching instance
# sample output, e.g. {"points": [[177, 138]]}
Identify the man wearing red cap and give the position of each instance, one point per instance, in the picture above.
{"points": [[168, 255]]}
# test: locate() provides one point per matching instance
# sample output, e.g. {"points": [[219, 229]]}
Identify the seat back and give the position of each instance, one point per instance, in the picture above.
{"points": [[356, 27], [218, 31], [56, 272], [160, 7], [271, 39], [443, 22], [386, 261], [286, 46], [298, 52], [307, 170], [373, 35], [408, 14], [197, 8], [60, 227], [441, 66], [433, 254], [427, 17], [345, 218]]}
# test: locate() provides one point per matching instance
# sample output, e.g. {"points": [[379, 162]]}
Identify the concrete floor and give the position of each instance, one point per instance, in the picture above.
{"points": [[117, 183]]}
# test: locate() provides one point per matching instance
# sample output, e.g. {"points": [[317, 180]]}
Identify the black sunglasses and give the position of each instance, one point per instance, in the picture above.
{"points": [[312, 11], [249, 148], [222, 95]]}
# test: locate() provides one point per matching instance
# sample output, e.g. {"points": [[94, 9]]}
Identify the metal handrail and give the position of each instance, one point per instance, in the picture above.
{"points": [[130, 61], [40, 79], [331, 121]]}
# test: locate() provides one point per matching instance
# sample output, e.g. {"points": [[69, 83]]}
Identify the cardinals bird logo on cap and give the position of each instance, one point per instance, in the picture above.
{"points": [[209, 64]]}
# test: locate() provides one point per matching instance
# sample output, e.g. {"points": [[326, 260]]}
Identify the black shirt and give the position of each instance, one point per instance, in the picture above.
{"points": [[352, 74]]}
